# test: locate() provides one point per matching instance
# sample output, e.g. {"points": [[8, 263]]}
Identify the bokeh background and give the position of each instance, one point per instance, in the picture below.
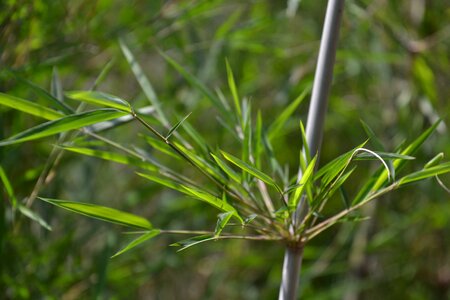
{"points": [[392, 71]]}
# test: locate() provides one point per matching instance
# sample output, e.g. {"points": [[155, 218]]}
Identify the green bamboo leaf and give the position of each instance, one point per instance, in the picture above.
{"points": [[233, 88], [282, 118], [161, 146], [103, 213], [111, 156], [34, 216], [8, 187], [201, 162], [372, 137], [99, 98], [42, 93], [251, 170], [305, 153], [258, 140], [425, 173], [383, 155], [175, 127], [304, 181], [334, 167], [222, 222], [29, 107], [229, 171], [187, 243], [143, 81], [56, 86], [398, 164], [434, 161], [67, 123], [136, 242], [193, 192], [195, 83]]}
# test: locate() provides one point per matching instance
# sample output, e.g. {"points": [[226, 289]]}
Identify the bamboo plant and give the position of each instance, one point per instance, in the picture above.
{"points": [[248, 187]]}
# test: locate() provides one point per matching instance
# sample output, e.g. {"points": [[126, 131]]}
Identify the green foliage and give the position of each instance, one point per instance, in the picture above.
{"points": [[390, 71]]}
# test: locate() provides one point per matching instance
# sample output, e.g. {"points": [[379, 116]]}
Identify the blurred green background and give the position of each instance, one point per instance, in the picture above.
{"points": [[392, 71]]}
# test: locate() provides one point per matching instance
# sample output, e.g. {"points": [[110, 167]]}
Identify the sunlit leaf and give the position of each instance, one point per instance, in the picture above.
{"points": [[29, 107], [305, 179], [103, 213], [99, 98], [434, 161], [425, 173], [222, 222], [251, 170]]}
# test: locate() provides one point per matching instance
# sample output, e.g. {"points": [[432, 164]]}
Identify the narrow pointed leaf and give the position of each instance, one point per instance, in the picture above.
{"points": [[99, 98], [222, 222], [193, 192], [34, 216], [112, 156], [136, 242], [383, 155], [29, 107], [67, 123], [143, 81], [233, 88], [425, 173], [8, 187], [371, 135], [434, 161], [305, 179], [160, 146], [103, 213], [187, 243], [251, 170], [43, 94], [56, 86], [279, 122], [195, 82], [229, 171], [175, 127]]}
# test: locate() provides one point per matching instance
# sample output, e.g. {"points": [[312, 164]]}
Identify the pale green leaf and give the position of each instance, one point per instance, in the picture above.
{"points": [[34, 216]]}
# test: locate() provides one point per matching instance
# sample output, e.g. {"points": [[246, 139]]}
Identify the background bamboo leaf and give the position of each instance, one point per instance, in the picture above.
{"points": [[138, 241], [103, 213], [63, 124]]}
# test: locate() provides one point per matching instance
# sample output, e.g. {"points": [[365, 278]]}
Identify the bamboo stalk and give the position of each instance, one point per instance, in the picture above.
{"points": [[314, 132]]}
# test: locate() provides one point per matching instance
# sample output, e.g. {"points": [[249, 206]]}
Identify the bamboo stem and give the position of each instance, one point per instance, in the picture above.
{"points": [[314, 132]]}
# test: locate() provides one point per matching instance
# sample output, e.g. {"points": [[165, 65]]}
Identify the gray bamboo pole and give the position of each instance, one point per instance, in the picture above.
{"points": [[314, 132]]}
